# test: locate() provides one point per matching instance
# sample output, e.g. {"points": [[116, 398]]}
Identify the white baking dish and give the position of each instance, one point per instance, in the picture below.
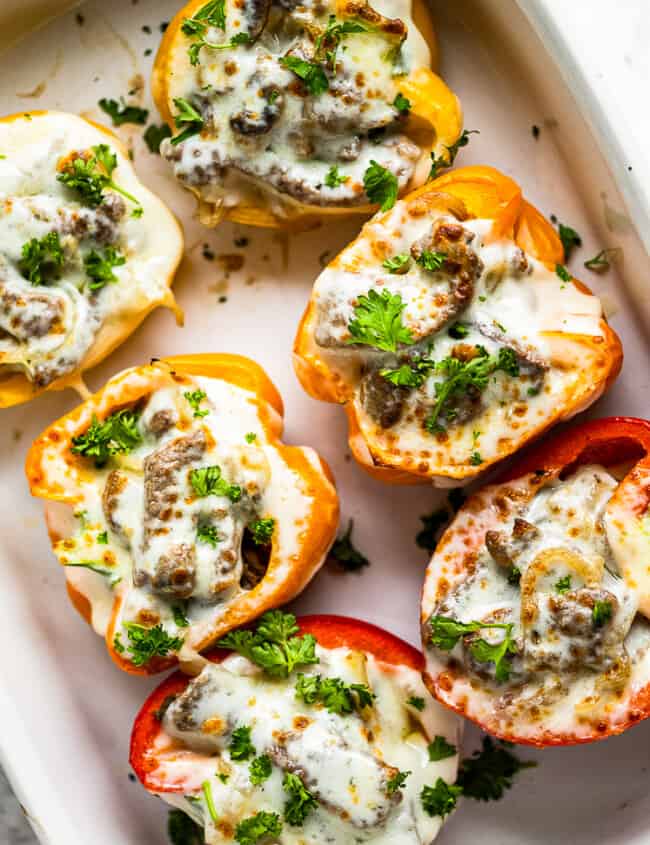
{"points": [[66, 711]]}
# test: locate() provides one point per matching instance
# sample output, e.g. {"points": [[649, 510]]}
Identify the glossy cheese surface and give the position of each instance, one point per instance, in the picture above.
{"points": [[345, 761]]}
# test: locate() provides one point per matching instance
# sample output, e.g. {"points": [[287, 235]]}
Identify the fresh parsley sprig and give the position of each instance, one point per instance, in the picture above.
{"points": [[147, 643], [311, 73], [249, 831], [380, 185], [300, 803], [570, 239], [187, 119], [345, 553], [195, 397], [121, 114], [118, 434], [397, 781], [208, 481], [275, 646], [208, 534], [154, 135], [42, 259], [444, 161], [446, 632], [333, 178], [489, 772], [431, 260], [99, 267], [241, 746], [440, 749], [397, 264], [333, 694], [90, 173], [93, 566], [440, 799], [330, 39], [262, 530], [377, 321], [260, 769]]}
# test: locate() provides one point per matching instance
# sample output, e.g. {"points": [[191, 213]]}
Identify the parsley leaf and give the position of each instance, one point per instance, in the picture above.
{"points": [[601, 262], [195, 397], [411, 374], [431, 260], [427, 537], [260, 769], [563, 585], [241, 747], [377, 321], [182, 830], [180, 619], [212, 14], [562, 272], [601, 613], [188, 119], [301, 802], [397, 263], [206, 788], [99, 268], [442, 162], [250, 437], [154, 136], [402, 103], [274, 646], [439, 800], [333, 178], [93, 566], [208, 481], [380, 185], [262, 530], [311, 73], [328, 42], [42, 260], [262, 824], [570, 239], [440, 749], [397, 781], [333, 694], [346, 554], [90, 173], [146, 643], [208, 534], [487, 774], [446, 632], [458, 331], [416, 702], [118, 434], [120, 114], [475, 459], [102, 538]]}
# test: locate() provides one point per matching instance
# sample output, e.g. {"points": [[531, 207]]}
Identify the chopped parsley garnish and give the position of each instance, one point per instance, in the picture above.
{"points": [[118, 434], [570, 239], [488, 773], [260, 769], [442, 162], [187, 119], [416, 702], [563, 585], [102, 538], [209, 801], [42, 260], [475, 459], [223, 777], [91, 173], [432, 261], [250, 437], [333, 694], [212, 14], [182, 830], [241, 747], [300, 803], [328, 42], [439, 800], [514, 576], [562, 273], [440, 749], [463, 375], [380, 185], [346, 554], [121, 114], [397, 263], [275, 646], [378, 321], [112, 576], [333, 178], [433, 523], [411, 374], [208, 481], [262, 530], [311, 73], [262, 824], [458, 331], [446, 632], [402, 103], [397, 781], [601, 262], [195, 397], [99, 267], [180, 619], [146, 643], [138, 211], [601, 613], [208, 534], [154, 135]]}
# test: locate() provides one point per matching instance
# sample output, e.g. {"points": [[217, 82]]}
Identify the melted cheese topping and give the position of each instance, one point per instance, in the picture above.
{"points": [[487, 297], [262, 128], [142, 526], [344, 760], [48, 329], [553, 572]]}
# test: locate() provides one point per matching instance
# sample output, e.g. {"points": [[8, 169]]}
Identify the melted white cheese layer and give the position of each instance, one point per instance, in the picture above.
{"points": [[342, 758], [48, 329], [270, 490]]}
